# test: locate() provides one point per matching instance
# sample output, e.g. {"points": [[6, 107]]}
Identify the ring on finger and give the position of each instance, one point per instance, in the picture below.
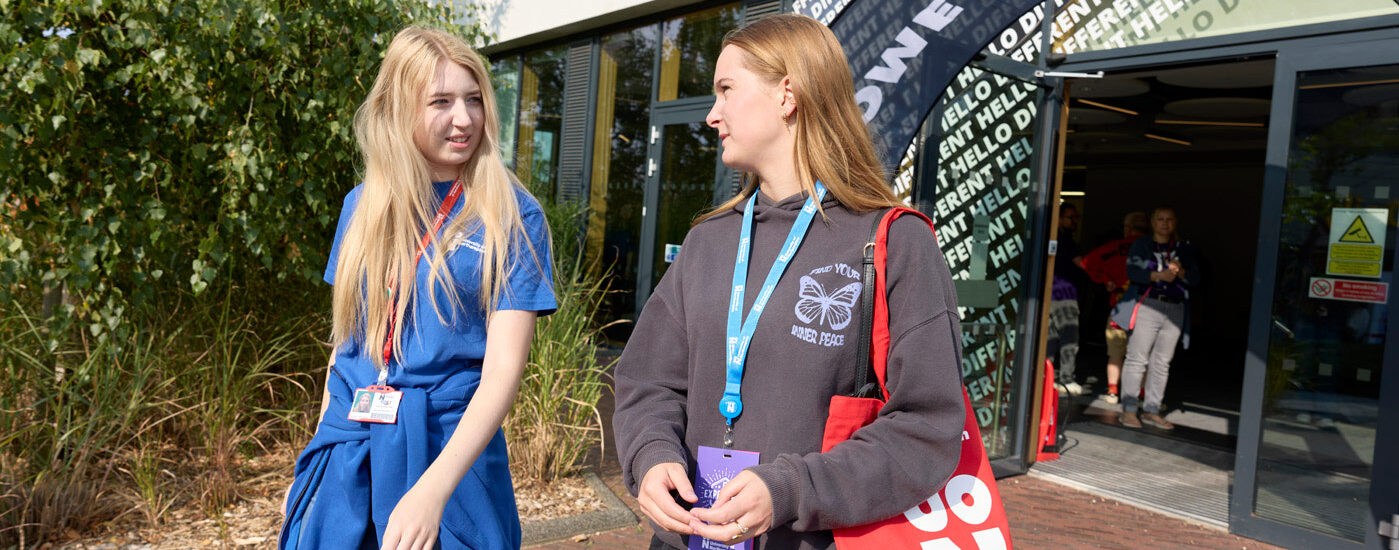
{"points": [[741, 531]]}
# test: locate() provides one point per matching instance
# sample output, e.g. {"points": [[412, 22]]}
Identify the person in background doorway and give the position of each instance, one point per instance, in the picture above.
{"points": [[1107, 266], [1163, 269], [1063, 305]]}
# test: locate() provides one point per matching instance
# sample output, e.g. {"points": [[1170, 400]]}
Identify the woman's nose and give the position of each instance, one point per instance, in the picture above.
{"points": [[712, 117]]}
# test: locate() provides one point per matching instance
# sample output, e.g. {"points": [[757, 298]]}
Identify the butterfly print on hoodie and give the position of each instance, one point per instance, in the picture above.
{"points": [[831, 307]]}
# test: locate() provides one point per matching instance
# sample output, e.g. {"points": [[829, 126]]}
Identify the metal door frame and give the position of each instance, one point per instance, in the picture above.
{"points": [[1295, 42], [682, 111], [1293, 58]]}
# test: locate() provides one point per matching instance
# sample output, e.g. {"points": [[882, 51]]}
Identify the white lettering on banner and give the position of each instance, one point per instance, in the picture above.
{"points": [[912, 45], [936, 16]]}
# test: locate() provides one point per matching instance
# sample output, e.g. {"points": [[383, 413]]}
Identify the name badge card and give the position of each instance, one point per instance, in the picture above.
{"points": [[716, 467], [377, 404]]}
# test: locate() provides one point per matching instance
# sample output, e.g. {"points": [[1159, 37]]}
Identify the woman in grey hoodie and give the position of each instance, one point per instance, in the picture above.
{"points": [[690, 382]]}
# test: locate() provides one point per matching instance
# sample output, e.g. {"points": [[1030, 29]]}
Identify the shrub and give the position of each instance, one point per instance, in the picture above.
{"points": [[170, 176], [555, 421], [147, 141]]}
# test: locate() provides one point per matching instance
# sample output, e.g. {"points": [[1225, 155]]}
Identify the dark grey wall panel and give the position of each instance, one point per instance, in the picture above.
{"points": [[575, 149]]}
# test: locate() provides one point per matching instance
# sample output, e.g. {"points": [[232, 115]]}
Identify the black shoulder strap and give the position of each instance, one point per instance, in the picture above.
{"points": [[866, 383]]}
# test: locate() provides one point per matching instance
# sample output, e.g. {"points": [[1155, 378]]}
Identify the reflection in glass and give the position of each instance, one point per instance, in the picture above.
{"points": [[1087, 25], [689, 50], [541, 119], [505, 77], [625, 66], [984, 248], [689, 155], [1321, 394]]}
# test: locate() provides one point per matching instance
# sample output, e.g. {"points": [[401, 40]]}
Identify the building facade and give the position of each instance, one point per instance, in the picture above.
{"points": [[1271, 127]]}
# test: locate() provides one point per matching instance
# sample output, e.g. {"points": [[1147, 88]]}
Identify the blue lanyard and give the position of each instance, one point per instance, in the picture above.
{"points": [[740, 331]]}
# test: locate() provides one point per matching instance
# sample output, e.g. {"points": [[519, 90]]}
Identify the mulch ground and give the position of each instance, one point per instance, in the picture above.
{"points": [[254, 523]]}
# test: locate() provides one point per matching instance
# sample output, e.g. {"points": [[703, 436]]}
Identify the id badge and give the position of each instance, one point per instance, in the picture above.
{"points": [[377, 404], [716, 467]]}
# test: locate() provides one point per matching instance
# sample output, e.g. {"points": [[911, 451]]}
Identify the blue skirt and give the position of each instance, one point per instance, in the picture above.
{"points": [[352, 474]]}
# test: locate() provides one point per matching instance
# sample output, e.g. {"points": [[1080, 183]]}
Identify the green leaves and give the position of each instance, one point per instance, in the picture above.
{"points": [[149, 145]]}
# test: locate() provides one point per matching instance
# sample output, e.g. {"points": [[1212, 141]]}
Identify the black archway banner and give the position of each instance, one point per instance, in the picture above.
{"points": [[903, 53]]}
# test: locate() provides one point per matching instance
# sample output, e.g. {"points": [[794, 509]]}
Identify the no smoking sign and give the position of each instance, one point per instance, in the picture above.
{"points": [[1348, 290]]}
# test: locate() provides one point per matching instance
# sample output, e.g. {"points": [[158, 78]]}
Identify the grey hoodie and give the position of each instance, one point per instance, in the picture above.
{"points": [[671, 374]]}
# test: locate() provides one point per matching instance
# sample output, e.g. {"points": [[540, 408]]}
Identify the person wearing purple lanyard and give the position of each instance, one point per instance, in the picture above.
{"points": [[1162, 269], [724, 388]]}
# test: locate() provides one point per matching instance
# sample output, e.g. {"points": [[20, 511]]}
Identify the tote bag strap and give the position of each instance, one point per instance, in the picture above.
{"points": [[879, 347], [866, 382]]}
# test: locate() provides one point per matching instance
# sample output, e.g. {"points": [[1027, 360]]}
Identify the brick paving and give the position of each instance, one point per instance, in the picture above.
{"points": [[1042, 514]]}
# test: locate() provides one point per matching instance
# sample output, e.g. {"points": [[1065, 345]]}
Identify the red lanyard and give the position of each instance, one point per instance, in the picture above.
{"points": [[447, 203]]}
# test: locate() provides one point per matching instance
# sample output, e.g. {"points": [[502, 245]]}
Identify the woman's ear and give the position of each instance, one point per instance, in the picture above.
{"points": [[789, 99]]}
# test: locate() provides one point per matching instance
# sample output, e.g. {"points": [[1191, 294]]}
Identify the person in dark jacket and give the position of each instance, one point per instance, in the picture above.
{"points": [[1069, 282], [785, 111], [1163, 269]]}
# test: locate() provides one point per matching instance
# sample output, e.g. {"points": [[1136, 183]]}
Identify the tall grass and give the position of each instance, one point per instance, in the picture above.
{"points": [[94, 431], [555, 421], [141, 426]]}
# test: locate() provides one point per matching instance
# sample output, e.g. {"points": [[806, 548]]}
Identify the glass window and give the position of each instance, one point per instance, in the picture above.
{"points": [[626, 63], [689, 49], [505, 76], [1321, 405], [1086, 25], [980, 204], [541, 119], [689, 157]]}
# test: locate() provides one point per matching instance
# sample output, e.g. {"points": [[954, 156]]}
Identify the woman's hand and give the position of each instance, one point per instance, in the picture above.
{"points": [[1178, 268], [286, 497], [743, 510], [654, 497], [414, 522]]}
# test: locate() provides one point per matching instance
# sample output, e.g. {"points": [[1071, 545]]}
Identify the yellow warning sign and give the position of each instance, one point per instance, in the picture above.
{"points": [[1357, 242], [1357, 233], [1354, 269], [1357, 252]]}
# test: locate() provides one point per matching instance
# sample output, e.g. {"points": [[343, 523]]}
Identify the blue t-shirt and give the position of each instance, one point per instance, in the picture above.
{"points": [[436, 354]]}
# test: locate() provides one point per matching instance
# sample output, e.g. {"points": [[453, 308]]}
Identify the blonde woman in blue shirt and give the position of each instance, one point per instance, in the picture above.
{"points": [[445, 350]]}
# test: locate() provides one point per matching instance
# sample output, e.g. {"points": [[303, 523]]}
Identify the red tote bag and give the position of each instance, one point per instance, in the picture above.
{"points": [[966, 512]]}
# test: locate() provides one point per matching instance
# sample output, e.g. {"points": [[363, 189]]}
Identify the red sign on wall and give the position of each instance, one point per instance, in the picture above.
{"points": [[1348, 290]]}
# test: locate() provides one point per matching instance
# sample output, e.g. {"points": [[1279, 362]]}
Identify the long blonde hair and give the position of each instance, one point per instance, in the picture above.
{"points": [[397, 202], [833, 144]]}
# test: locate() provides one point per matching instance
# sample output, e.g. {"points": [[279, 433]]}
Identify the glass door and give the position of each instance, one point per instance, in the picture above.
{"points": [[1316, 466], [685, 178]]}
